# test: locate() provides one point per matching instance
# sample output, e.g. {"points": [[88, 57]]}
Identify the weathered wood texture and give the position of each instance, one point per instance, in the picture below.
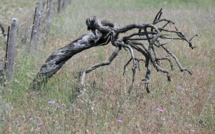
{"points": [[49, 12], [59, 6], [69, 1], [64, 4], [36, 26], [104, 32], [11, 50], [56, 60], [59, 57]]}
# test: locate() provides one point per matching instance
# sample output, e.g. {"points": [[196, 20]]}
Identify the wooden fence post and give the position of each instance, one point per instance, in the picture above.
{"points": [[59, 6], [11, 50], [49, 12], [36, 25], [64, 4], [69, 1]]}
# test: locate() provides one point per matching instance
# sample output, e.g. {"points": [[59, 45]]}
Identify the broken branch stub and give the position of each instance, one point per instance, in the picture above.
{"points": [[3, 32], [144, 41]]}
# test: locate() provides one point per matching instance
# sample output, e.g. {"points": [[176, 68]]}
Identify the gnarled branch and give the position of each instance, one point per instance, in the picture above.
{"points": [[104, 32]]}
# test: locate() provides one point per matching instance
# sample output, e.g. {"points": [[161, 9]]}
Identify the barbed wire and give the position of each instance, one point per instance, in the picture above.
{"points": [[5, 22], [26, 21], [26, 11]]}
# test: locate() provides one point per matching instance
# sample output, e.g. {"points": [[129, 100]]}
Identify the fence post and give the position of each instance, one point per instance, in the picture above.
{"points": [[59, 6], [69, 1], [11, 50], [49, 13], [64, 4], [36, 25]]}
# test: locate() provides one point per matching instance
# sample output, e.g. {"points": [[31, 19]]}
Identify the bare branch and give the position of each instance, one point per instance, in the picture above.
{"points": [[166, 58], [125, 66], [134, 63], [135, 34], [148, 72], [193, 37], [104, 32], [177, 61], [104, 63], [57, 59], [157, 17], [3, 32], [138, 60]]}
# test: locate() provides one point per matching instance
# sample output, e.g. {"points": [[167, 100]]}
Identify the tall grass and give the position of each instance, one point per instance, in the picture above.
{"points": [[186, 105]]}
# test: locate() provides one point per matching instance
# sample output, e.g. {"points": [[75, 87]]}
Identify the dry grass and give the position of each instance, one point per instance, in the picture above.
{"points": [[188, 102]]}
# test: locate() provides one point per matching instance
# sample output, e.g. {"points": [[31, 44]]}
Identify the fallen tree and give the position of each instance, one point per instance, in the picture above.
{"points": [[144, 40]]}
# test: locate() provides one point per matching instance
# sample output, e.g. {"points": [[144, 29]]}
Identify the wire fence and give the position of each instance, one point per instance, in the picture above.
{"points": [[24, 32]]}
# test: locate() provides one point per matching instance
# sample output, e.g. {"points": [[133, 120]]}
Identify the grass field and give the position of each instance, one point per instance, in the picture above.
{"points": [[186, 105]]}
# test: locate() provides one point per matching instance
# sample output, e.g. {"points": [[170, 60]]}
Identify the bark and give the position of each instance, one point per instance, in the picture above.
{"points": [[103, 32], [57, 59]]}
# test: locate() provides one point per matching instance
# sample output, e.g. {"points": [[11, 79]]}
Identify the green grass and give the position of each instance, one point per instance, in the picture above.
{"points": [[189, 109]]}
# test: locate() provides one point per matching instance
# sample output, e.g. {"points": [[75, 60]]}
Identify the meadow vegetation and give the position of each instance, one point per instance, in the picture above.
{"points": [[186, 105]]}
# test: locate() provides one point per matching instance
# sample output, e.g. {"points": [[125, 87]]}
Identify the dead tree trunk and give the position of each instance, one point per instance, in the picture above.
{"points": [[104, 32], [56, 60]]}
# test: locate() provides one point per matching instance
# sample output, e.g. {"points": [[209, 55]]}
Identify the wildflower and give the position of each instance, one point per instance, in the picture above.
{"points": [[38, 92], [40, 124], [112, 66], [12, 122], [161, 110], [31, 118], [163, 119], [178, 87], [63, 105], [3, 119], [97, 124], [157, 109], [38, 117], [121, 121], [18, 124], [51, 102], [57, 106]]}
